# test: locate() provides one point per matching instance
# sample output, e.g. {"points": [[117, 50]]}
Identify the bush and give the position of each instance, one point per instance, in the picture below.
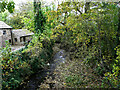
{"points": [[18, 66], [114, 77]]}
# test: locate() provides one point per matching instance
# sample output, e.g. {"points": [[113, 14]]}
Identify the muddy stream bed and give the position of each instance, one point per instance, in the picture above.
{"points": [[34, 82]]}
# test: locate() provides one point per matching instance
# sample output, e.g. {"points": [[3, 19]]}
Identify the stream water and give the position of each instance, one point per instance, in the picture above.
{"points": [[35, 80]]}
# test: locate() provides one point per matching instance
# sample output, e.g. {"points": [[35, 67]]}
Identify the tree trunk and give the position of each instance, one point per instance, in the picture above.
{"points": [[118, 25], [87, 7], [39, 19]]}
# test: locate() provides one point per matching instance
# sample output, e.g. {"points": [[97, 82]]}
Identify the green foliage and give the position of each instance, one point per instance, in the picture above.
{"points": [[18, 66], [14, 70], [5, 5], [11, 6], [74, 81], [3, 16], [94, 34], [16, 21], [91, 28], [90, 37], [39, 18], [26, 11], [22, 18], [114, 76]]}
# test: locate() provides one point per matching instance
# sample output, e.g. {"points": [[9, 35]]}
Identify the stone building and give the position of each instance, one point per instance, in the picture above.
{"points": [[5, 33], [21, 36], [15, 37]]}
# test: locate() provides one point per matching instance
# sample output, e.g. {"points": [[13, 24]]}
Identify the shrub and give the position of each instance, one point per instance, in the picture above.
{"points": [[18, 66]]}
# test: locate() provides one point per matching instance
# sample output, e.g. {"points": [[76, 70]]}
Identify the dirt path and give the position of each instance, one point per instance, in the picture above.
{"points": [[16, 48]]}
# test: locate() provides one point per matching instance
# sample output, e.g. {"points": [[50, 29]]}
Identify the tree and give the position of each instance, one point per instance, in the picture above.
{"points": [[22, 18], [3, 16], [96, 29], [39, 18], [16, 21], [4, 5]]}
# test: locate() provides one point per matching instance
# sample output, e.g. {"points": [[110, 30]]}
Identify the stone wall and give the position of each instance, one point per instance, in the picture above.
{"points": [[0, 41], [1, 32], [20, 40], [19, 37], [6, 36]]}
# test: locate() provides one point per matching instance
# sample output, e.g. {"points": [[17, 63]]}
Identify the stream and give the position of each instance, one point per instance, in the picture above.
{"points": [[36, 79]]}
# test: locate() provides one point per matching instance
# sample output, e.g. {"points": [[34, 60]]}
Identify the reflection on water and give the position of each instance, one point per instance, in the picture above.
{"points": [[58, 58]]}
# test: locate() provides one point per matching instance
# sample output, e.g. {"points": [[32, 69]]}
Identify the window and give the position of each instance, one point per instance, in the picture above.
{"points": [[15, 39], [20, 39], [9, 40], [24, 39], [4, 32]]}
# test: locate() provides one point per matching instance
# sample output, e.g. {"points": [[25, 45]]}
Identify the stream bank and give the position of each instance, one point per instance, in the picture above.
{"points": [[62, 72], [71, 73], [34, 82]]}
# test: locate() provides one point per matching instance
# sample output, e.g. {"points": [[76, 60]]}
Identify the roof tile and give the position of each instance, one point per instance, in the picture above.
{"points": [[4, 25]]}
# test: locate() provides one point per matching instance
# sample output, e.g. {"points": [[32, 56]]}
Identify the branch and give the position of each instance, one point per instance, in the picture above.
{"points": [[62, 23], [79, 11]]}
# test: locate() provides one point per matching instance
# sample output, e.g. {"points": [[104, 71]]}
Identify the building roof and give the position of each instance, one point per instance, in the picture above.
{"points": [[22, 32], [4, 25]]}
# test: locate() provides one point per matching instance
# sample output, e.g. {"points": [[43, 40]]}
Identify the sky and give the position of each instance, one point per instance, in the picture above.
{"points": [[21, 1]]}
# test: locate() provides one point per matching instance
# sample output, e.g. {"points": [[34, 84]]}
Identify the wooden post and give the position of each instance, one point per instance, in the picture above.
{"points": [[11, 36], [2, 40]]}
